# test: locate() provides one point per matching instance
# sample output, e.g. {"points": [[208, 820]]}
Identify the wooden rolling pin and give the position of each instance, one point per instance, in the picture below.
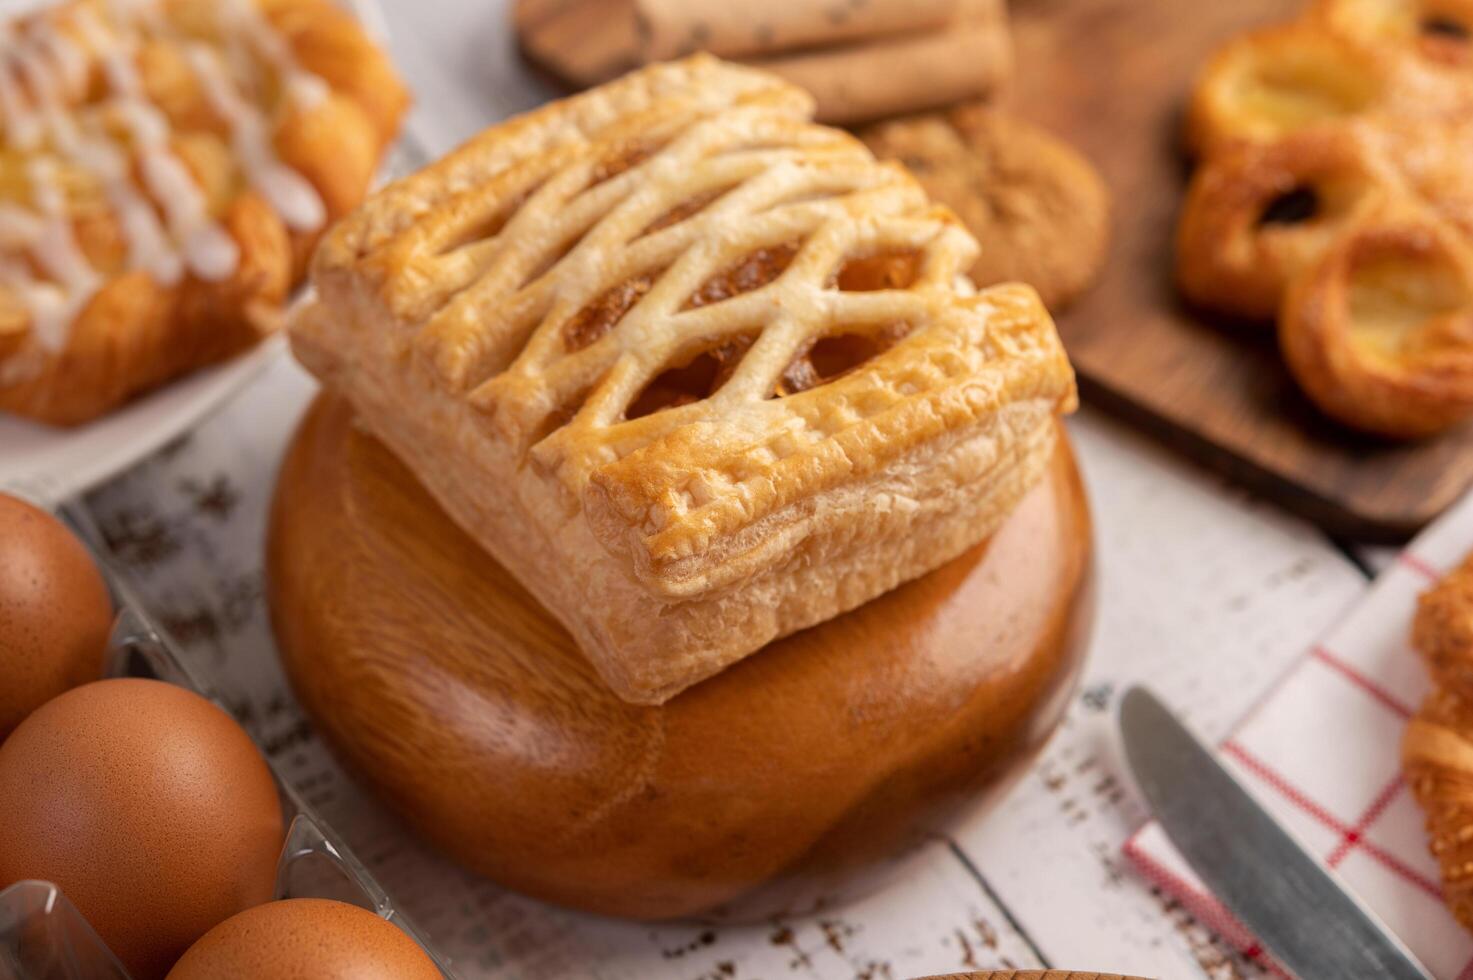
{"points": [[860, 60]]}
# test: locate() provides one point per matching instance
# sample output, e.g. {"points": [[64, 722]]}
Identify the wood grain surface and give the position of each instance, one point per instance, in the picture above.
{"points": [[1032, 975], [1112, 76], [806, 767]]}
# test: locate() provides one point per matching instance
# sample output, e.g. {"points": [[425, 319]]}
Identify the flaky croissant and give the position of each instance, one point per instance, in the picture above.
{"points": [[1437, 749]]}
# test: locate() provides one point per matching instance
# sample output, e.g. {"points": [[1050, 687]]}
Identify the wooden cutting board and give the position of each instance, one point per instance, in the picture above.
{"points": [[1112, 76]]}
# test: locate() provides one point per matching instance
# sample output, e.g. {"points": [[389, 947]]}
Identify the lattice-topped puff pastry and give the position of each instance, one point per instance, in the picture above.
{"points": [[700, 372], [1336, 147], [166, 168]]}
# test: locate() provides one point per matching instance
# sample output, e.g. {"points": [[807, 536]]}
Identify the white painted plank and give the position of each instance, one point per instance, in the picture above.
{"points": [[1206, 596], [461, 59], [1376, 558]]}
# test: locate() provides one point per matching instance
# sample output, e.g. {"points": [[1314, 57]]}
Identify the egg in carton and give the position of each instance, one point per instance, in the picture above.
{"points": [[44, 935]]}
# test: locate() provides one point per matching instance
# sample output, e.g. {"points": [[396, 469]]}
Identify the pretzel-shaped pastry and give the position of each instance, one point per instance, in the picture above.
{"points": [[1380, 331], [167, 166], [1311, 133], [1437, 749], [1436, 31], [700, 372], [1258, 214]]}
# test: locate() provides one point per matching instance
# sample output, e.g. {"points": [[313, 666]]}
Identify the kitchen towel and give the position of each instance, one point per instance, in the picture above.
{"points": [[1322, 751]]}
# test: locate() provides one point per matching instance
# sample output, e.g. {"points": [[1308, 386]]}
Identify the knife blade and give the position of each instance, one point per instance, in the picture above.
{"points": [[1298, 910]]}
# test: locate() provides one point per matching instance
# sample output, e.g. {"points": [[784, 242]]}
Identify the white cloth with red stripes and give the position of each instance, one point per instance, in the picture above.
{"points": [[1321, 750]]}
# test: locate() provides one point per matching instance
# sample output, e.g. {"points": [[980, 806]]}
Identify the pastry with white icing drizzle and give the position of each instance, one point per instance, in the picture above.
{"points": [[166, 167]]}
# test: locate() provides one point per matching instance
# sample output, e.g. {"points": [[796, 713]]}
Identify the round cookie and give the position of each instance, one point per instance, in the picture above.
{"points": [[1038, 208]]}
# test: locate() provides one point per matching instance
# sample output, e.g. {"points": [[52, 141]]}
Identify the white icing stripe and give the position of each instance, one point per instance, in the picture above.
{"points": [[43, 72], [287, 191], [19, 228], [50, 310], [56, 249], [70, 61], [247, 22], [148, 247], [22, 128], [209, 251]]}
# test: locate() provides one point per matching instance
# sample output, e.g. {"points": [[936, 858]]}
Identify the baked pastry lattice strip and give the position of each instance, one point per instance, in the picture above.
{"points": [[687, 337]]}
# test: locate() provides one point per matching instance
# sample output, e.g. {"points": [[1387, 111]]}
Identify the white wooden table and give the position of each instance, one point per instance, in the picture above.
{"points": [[1206, 593]]}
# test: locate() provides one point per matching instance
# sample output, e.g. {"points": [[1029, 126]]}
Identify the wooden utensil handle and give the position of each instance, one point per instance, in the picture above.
{"points": [[866, 81], [671, 28]]}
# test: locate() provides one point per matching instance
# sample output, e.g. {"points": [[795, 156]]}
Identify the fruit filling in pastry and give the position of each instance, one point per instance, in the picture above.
{"points": [[699, 372]]}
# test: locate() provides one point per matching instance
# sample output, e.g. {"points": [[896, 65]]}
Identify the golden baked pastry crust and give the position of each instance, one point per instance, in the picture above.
{"points": [[166, 169], [1038, 209], [1437, 32], [699, 372], [1333, 147], [1380, 330], [1437, 749]]}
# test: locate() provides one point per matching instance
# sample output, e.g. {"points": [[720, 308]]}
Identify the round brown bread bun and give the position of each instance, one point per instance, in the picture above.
{"points": [[798, 775], [1038, 208]]}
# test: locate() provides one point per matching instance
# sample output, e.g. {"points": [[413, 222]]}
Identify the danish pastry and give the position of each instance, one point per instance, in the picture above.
{"points": [[1037, 208], [1335, 149], [165, 169], [1437, 749], [1279, 80], [699, 372], [1380, 331], [1436, 31]]}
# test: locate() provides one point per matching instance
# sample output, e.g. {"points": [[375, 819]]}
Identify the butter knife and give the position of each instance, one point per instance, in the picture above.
{"points": [[1298, 910]]}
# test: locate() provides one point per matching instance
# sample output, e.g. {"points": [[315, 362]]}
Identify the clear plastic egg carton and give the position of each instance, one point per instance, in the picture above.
{"points": [[44, 937]]}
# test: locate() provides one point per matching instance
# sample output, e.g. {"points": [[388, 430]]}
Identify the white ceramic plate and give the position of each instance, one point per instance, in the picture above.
{"points": [[52, 464]]}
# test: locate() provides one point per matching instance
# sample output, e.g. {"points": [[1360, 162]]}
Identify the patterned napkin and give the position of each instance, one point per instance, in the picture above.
{"points": [[1321, 750]]}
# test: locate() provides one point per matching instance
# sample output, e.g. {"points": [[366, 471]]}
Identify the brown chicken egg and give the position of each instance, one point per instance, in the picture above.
{"points": [[305, 938], [151, 809], [54, 611]]}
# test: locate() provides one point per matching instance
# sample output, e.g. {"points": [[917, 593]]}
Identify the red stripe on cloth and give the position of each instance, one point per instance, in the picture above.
{"points": [[1286, 789], [1273, 688], [1467, 973], [1394, 864], [1419, 566], [1214, 915], [1203, 905], [1297, 797], [1360, 680], [1373, 812]]}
